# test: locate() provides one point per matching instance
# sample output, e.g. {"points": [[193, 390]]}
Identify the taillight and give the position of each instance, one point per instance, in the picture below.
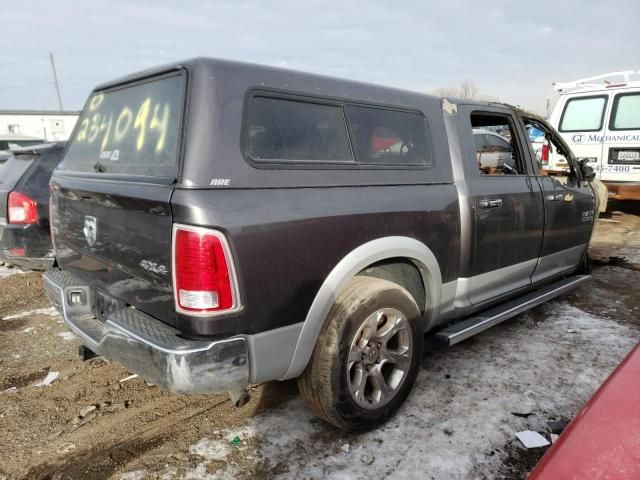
{"points": [[544, 158], [22, 209], [17, 251], [204, 279]]}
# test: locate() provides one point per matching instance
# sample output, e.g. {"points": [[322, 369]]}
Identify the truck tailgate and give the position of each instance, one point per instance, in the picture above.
{"points": [[116, 237]]}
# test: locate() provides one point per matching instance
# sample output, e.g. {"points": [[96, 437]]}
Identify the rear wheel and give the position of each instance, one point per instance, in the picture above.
{"points": [[367, 355]]}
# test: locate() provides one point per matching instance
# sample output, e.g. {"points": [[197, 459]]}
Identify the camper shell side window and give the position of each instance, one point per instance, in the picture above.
{"points": [[287, 130]]}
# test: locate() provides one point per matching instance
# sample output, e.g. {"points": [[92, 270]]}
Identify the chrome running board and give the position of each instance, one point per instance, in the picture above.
{"points": [[469, 327]]}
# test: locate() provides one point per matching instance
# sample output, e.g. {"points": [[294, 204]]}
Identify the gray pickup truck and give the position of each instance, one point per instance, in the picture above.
{"points": [[220, 224]]}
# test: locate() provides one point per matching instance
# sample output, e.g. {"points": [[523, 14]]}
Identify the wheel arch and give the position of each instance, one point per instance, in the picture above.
{"points": [[357, 261]]}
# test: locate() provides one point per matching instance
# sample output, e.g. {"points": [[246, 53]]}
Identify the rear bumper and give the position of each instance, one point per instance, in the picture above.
{"points": [[26, 263], [148, 347], [623, 190], [33, 244]]}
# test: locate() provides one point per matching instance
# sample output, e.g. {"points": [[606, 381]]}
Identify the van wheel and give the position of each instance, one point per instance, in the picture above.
{"points": [[367, 355]]}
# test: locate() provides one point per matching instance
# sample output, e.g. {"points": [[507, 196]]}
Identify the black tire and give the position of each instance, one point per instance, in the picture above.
{"points": [[324, 385]]}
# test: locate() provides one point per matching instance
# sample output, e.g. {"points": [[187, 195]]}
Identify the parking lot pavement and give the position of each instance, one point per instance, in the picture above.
{"points": [[458, 422]]}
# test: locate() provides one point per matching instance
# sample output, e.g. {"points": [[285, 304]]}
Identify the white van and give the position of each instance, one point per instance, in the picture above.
{"points": [[601, 122]]}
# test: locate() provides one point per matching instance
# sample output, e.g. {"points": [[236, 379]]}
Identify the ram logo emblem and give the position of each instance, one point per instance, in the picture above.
{"points": [[90, 229]]}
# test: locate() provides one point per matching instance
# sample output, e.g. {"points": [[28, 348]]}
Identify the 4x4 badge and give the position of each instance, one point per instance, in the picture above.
{"points": [[90, 229]]}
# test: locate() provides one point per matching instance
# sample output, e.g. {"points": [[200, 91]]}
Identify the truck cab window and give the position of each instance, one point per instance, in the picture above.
{"points": [[496, 153], [549, 154]]}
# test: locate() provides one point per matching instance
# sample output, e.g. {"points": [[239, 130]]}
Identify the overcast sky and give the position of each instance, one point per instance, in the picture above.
{"points": [[511, 50]]}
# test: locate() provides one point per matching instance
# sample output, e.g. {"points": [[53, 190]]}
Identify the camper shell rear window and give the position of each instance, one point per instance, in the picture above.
{"points": [[133, 129], [293, 130]]}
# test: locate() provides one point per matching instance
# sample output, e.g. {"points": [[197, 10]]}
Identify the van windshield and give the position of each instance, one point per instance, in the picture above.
{"points": [[132, 130]]}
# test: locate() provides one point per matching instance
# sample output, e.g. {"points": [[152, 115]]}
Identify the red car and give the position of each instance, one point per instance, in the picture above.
{"points": [[603, 441]]}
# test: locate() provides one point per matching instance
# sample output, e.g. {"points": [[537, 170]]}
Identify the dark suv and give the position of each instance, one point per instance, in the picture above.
{"points": [[220, 224], [24, 206]]}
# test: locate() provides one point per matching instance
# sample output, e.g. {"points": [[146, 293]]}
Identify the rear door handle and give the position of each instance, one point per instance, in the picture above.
{"points": [[486, 203], [555, 197]]}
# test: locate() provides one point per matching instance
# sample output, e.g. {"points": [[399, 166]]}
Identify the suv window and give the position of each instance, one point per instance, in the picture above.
{"points": [[480, 140], [498, 144], [583, 114], [626, 112], [133, 130], [288, 130], [388, 137], [12, 170]]}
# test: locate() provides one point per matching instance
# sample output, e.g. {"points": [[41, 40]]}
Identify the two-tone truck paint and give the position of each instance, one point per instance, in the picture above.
{"points": [[220, 224]]}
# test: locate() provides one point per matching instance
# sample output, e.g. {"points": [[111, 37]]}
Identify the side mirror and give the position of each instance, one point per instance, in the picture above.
{"points": [[586, 171]]}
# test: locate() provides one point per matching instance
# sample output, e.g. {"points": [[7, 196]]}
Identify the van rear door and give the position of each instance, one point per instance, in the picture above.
{"points": [[582, 124], [621, 148], [110, 202]]}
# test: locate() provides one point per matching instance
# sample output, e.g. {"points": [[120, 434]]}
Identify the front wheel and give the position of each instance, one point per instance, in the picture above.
{"points": [[367, 355]]}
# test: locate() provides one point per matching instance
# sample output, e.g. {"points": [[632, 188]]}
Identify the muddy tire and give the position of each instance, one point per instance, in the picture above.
{"points": [[367, 355]]}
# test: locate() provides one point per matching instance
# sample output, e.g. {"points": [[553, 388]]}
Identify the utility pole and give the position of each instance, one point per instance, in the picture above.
{"points": [[55, 80]]}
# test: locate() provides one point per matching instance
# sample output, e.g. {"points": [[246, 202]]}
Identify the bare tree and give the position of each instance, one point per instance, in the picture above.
{"points": [[469, 90], [446, 92]]}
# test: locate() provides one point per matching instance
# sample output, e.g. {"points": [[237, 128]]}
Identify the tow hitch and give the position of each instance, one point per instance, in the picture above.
{"points": [[85, 353], [239, 398]]}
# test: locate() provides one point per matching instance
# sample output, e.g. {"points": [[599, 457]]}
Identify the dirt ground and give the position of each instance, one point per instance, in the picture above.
{"points": [[91, 423]]}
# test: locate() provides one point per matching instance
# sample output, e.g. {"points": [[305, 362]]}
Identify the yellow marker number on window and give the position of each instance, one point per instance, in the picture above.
{"points": [[141, 121], [122, 124], [161, 124], [96, 101], [95, 128], [82, 133]]}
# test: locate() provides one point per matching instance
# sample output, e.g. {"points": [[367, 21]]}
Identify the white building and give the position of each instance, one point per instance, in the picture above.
{"points": [[48, 125]]}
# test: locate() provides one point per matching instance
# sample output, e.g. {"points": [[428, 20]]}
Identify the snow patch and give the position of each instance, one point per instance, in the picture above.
{"points": [[49, 312], [211, 449], [7, 272], [134, 475], [67, 336], [458, 417]]}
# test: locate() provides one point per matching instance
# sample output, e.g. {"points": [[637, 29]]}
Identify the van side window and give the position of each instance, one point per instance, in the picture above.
{"points": [[626, 112], [494, 138], [583, 114], [388, 137], [288, 130]]}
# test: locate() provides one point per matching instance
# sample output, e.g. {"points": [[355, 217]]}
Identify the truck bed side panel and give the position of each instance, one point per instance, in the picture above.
{"points": [[286, 241]]}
